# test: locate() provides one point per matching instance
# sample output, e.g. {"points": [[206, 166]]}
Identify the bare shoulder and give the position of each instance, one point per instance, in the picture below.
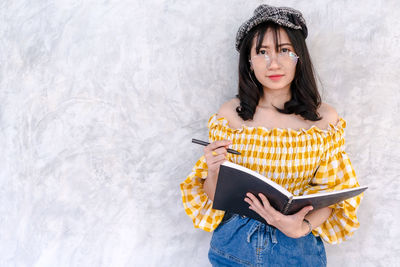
{"points": [[228, 109], [329, 115]]}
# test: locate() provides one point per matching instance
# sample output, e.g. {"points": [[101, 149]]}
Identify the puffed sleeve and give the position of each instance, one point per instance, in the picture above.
{"points": [[336, 172], [195, 201]]}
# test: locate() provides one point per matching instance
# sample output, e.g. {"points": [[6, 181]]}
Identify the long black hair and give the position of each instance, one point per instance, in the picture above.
{"points": [[305, 98]]}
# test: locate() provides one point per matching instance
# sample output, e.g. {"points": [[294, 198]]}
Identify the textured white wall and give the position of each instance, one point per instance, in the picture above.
{"points": [[100, 99]]}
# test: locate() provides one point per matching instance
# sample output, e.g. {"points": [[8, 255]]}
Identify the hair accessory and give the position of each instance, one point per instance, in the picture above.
{"points": [[284, 16]]}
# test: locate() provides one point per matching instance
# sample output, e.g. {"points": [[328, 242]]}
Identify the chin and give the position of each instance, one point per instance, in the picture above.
{"points": [[276, 86]]}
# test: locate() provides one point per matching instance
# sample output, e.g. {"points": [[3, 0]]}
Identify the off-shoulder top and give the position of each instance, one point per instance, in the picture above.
{"points": [[304, 161]]}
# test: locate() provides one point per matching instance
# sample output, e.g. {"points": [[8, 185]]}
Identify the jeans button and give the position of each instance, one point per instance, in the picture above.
{"points": [[243, 216]]}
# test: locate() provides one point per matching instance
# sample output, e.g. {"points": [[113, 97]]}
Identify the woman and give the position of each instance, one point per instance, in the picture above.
{"points": [[284, 132]]}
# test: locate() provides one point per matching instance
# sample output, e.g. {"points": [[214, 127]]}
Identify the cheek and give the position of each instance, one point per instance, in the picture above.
{"points": [[259, 74], [291, 73]]}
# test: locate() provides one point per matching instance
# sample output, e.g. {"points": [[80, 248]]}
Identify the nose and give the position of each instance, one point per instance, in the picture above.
{"points": [[274, 64]]}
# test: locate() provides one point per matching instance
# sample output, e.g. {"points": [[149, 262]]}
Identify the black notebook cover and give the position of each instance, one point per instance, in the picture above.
{"points": [[234, 181], [321, 200]]}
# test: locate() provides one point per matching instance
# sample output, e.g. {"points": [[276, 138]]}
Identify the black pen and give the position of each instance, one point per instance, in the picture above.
{"points": [[203, 143]]}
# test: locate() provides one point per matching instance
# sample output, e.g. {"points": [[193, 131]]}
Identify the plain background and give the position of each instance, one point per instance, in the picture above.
{"points": [[100, 100]]}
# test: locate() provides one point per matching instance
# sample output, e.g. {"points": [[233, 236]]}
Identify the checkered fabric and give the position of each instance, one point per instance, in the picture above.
{"points": [[304, 161]]}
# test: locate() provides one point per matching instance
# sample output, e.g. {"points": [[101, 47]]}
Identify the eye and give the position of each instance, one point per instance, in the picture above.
{"points": [[285, 50], [262, 52]]}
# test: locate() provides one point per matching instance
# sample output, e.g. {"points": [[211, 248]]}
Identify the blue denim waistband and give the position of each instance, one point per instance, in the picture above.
{"points": [[247, 242], [257, 225]]}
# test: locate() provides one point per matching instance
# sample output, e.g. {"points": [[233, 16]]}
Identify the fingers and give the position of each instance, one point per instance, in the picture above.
{"points": [[218, 151], [215, 153], [267, 206], [263, 208], [303, 212], [216, 144], [254, 202], [264, 200], [216, 159], [256, 205]]}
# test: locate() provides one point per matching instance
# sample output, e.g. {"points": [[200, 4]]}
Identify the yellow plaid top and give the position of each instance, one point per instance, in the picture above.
{"points": [[303, 161]]}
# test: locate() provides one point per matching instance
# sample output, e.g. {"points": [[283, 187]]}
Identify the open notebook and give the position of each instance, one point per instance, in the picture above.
{"points": [[234, 181]]}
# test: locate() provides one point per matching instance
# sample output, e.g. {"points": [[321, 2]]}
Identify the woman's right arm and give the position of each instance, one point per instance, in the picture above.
{"points": [[215, 155]]}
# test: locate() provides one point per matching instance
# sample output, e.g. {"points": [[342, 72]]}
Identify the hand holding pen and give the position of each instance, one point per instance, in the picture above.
{"points": [[215, 154], [203, 143]]}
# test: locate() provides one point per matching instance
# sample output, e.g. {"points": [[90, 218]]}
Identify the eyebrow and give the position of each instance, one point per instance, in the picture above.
{"points": [[278, 45]]}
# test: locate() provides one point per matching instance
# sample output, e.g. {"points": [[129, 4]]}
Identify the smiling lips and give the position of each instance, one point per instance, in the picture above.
{"points": [[275, 77]]}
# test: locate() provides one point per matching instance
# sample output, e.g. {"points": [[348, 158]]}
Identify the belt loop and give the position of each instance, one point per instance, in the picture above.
{"points": [[273, 235], [253, 228]]}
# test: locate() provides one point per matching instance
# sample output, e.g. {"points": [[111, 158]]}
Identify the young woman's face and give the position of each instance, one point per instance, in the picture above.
{"points": [[277, 70]]}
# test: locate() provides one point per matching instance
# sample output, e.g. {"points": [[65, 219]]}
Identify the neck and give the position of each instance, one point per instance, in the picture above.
{"points": [[274, 97]]}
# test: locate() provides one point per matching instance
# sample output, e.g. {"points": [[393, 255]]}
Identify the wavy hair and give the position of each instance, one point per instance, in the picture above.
{"points": [[305, 98]]}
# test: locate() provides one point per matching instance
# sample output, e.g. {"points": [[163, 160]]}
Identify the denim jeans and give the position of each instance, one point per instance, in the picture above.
{"points": [[241, 241]]}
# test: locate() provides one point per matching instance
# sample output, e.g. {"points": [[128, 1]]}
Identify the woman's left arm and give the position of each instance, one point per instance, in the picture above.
{"points": [[291, 225], [318, 217]]}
